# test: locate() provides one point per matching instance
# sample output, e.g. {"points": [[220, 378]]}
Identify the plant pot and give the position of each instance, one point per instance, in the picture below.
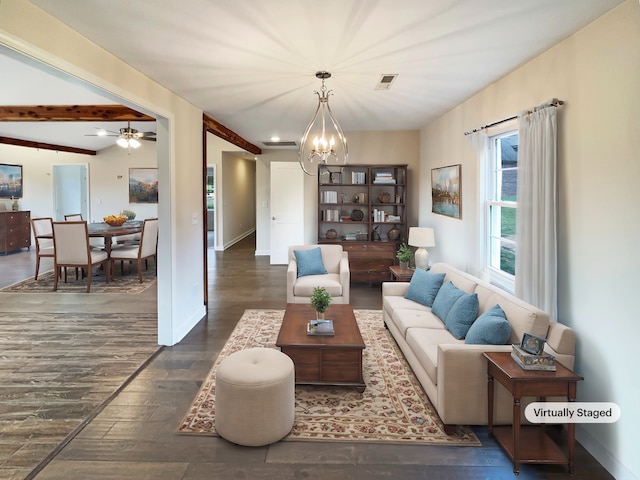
{"points": [[404, 265], [319, 315]]}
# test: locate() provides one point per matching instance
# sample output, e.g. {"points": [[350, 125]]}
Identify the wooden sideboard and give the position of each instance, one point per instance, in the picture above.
{"points": [[15, 231]]}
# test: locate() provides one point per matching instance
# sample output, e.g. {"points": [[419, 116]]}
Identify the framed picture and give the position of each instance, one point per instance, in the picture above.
{"points": [[143, 185], [10, 181], [445, 191], [532, 344]]}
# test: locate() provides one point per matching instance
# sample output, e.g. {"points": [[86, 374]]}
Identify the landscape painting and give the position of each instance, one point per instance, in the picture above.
{"points": [[10, 181], [143, 185], [445, 191]]}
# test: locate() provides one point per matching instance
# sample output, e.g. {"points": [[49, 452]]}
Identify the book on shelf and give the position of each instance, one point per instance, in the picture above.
{"points": [[329, 196], [358, 178], [331, 215], [320, 327]]}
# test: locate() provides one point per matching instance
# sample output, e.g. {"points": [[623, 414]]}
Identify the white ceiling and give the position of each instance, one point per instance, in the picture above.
{"points": [[251, 64]]}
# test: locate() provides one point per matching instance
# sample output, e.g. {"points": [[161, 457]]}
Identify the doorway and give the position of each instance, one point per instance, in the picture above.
{"points": [[211, 206], [70, 191]]}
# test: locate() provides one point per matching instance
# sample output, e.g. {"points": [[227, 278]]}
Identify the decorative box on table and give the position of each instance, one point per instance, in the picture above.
{"points": [[530, 354]]}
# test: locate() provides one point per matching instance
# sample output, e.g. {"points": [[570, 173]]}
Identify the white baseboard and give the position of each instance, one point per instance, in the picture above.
{"points": [[603, 456]]}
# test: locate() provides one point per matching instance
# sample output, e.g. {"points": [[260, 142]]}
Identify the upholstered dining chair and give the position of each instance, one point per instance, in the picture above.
{"points": [[43, 235], [72, 249], [147, 248], [313, 266]]}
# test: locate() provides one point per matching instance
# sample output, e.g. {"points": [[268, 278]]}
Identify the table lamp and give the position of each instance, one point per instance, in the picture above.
{"points": [[421, 237]]}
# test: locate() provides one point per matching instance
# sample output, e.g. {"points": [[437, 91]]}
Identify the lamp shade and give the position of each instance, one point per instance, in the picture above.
{"points": [[421, 237]]}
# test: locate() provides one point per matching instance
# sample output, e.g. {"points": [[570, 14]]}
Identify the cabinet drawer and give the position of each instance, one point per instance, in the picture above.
{"points": [[307, 373], [367, 250]]}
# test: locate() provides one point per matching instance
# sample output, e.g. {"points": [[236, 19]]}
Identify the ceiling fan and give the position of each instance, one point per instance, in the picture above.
{"points": [[127, 137]]}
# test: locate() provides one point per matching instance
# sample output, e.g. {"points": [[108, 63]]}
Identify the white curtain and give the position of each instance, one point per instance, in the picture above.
{"points": [[536, 235], [479, 142]]}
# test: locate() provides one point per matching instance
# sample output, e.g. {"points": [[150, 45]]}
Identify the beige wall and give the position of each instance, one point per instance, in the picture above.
{"points": [[596, 72], [238, 198], [401, 147], [108, 178], [30, 31]]}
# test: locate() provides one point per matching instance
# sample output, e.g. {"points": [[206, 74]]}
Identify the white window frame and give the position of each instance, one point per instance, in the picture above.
{"points": [[493, 184]]}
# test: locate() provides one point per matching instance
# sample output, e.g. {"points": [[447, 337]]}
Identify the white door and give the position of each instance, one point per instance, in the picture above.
{"points": [[287, 209], [70, 191]]}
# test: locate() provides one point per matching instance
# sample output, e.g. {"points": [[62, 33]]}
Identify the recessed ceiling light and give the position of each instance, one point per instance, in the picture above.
{"points": [[275, 139]]}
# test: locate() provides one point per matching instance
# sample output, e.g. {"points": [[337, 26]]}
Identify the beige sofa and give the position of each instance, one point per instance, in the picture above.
{"points": [[336, 280], [452, 373]]}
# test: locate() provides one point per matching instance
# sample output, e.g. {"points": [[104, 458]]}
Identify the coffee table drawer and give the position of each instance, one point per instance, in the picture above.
{"points": [[341, 373], [302, 356], [340, 355]]}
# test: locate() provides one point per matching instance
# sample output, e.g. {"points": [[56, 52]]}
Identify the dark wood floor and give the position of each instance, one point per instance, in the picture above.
{"points": [[135, 435]]}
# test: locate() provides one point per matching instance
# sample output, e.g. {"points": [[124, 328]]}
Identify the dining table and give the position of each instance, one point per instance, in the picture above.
{"points": [[106, 231]]}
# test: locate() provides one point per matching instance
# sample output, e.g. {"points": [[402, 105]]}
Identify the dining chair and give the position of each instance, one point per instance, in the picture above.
{"points": [[147, 248], [43, 235], [72, 249], [97, 243], [73, 217]]}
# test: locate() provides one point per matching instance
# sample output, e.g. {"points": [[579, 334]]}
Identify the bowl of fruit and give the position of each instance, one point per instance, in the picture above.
{"points": [[115, 220]]}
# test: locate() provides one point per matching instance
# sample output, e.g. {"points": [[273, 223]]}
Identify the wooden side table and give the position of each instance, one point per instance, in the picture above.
{"points": [[401, 274], [530, 444]]}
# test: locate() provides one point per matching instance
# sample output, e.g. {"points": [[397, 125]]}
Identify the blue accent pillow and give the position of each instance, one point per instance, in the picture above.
{"points": [[490, 328], [310, 262], [424, 287], [462, 315], [446, 297]]}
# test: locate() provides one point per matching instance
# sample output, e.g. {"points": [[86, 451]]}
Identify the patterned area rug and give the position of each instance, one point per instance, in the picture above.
{"points": [[392, 409], [127, 283]]}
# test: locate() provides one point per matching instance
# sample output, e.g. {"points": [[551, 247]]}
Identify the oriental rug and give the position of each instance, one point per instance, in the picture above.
{"points": [[392, 409], [123, 283]]}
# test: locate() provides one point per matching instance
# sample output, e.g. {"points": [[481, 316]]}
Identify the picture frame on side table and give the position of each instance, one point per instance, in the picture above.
{"points": [[10, 181], [143, 185], [445, 191]]}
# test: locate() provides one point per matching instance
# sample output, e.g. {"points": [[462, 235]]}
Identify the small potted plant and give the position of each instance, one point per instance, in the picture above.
{"points": [[404, 255], [320, 300]]}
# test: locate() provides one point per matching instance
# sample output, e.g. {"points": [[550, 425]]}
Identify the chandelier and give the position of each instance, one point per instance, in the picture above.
{"points": [[323, 141]]}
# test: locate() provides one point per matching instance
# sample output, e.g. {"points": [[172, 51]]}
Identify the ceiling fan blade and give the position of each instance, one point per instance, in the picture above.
{"points": [[96, 135], [147, 134], [149, 139]]}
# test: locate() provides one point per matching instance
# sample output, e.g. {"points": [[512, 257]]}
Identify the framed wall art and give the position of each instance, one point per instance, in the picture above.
{"points": [[445, 191], [143, 185], [10, 181]]}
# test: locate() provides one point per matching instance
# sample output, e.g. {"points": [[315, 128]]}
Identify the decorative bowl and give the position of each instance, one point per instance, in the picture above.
{"points": [[115, 220], [393, 234], [332, 234], [384, 197]]}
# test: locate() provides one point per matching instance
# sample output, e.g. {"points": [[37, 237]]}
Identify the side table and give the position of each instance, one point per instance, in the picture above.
{"points": [[401, 274], [530, 444]]}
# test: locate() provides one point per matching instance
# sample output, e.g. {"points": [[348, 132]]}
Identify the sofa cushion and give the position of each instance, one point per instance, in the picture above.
{"points": [[424, 287], [410, 318], [490, 328], [522, 316], [310, 262], [424, 345], [446, 297], [462, 315]]}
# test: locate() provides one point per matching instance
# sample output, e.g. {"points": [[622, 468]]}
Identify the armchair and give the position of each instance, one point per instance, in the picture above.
{"points": [[336, 280]]}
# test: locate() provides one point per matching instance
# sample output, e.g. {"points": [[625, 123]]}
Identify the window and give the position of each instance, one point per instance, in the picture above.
{"points": [[502, 203]]}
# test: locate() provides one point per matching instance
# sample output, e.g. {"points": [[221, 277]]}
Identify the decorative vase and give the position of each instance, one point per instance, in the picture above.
{"points": [[319, 315]]}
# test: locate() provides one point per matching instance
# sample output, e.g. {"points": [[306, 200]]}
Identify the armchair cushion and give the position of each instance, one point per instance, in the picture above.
{"points": [[310, 262]]}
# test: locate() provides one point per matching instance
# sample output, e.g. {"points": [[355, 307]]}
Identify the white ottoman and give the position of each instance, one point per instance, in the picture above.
{"points": [[254, 400]]}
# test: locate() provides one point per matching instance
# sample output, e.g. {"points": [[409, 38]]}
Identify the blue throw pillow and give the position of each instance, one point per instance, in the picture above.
{"points": [[424, 287], [310, 262], [462, 315], [490, 328], [446, 297]]}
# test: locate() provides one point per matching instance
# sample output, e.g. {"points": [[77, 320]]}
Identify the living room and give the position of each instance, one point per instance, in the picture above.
{"points": [[594, 72]]}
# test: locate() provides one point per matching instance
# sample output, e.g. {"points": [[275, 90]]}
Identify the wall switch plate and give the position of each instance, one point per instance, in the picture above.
{"points": [[194, 218]]}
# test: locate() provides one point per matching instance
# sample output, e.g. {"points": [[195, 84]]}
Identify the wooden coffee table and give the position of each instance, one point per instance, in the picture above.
{"points": [[323, 360]]}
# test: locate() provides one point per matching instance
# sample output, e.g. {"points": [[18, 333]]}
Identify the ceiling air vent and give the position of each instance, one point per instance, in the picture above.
{"points": [[385, 81], [281, 143]]}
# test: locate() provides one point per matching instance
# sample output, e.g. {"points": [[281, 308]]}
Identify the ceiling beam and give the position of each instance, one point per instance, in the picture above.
{"points": [[230, 136], [45, 146], [71, 113]]}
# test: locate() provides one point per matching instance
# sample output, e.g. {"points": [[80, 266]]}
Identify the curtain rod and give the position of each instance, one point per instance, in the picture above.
{"points": [[551, 103]]}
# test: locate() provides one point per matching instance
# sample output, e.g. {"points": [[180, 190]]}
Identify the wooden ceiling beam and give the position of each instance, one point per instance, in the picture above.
{"points": [[71, 113], [215, 127], [45, 146]]}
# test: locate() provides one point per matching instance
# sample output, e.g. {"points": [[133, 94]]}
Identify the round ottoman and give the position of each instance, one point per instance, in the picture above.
{"points": [[254, 400]]}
